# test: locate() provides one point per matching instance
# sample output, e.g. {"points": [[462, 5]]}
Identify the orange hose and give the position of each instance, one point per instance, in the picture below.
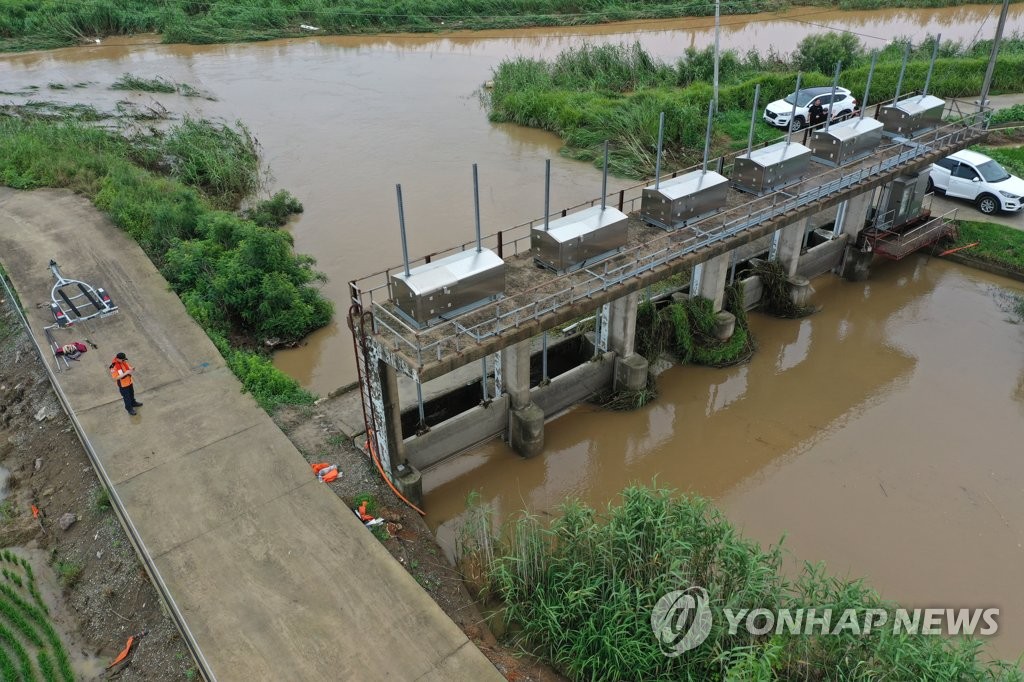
{"points": [[959, 248], [370, 437], [124, 652]]}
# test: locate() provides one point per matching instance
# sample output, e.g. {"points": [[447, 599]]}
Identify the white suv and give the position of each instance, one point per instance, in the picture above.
{"points": [[975, 177], [778, 112]]}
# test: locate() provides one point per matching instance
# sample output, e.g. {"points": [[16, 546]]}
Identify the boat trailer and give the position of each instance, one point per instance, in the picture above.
{"points": [[73, 301]]}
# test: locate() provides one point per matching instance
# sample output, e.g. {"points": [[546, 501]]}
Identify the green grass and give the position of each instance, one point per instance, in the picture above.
{"points": [[580, 590], [41, 24], [25, 628], [591, 94], [101, 499], [130, 81], [172, 193], [68, 572], [998, 244]]}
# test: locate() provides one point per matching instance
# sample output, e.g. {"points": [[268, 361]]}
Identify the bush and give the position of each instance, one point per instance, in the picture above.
{"points": [[1014, 114], [275, 211], [821, 52]]}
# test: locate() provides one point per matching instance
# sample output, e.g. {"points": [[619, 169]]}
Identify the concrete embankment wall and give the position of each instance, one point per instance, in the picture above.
{"points": [[482, 423]]}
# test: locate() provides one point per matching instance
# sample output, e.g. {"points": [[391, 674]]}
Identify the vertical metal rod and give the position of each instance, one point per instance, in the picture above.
{"points": [[707, 135], [835, 86], [419, 401], [903, 70], [987, 83], [401, 227], [483, 376], [867, 86], [931, 65], [597, 332], [792, 113], [604, 178], [544, 357], [657, 159], [753, 120], [476, 205], [547, 192], [718, 31]]}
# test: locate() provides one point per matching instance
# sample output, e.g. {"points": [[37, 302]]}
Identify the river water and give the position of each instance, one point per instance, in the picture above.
{"points": [[342, 119], [881, 435]]}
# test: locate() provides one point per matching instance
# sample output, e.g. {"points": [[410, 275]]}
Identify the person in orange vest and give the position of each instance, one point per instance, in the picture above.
{"points": [[121, 372]]}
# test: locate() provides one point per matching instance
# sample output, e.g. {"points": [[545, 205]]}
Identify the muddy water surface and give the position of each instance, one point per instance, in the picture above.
{"points": [[342, 119], [882, 435]]}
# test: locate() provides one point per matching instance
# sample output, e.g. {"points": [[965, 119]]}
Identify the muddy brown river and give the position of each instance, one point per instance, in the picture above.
{"points": [[882, 436], [342, 119]]}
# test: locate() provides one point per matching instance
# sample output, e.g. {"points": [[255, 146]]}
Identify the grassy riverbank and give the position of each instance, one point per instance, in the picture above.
{"points": [[43, 24], [175, 194], [591, 94], [580, 591], [996, 244]]}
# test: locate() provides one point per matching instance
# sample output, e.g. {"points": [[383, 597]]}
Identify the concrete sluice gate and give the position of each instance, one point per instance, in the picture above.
{"points": [[487, 359]]}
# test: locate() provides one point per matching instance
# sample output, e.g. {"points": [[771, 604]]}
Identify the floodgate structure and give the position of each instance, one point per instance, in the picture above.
{"points": [[826, 200]]}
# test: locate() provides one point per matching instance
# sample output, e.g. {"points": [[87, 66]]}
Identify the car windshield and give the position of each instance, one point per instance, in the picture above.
{"points": [[993, 172], [803, 97]]}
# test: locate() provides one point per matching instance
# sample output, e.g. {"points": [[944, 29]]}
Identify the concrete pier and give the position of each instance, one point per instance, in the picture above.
{"points": [[712, 278], [525, 418]]}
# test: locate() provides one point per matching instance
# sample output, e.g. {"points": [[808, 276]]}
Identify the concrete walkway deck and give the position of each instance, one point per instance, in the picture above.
{"points": [[275, 578]]}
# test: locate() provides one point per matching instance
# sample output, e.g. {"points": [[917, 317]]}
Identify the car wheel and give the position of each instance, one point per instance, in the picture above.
{"points": [[930, 189], [988, 204], [797, 124], [845, 115]]}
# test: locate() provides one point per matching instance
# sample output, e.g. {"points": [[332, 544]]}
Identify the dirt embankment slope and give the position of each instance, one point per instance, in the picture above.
{"points": [[97, 592]]}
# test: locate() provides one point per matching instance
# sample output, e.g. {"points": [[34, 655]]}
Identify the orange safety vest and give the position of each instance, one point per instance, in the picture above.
{"points": [[116, 368]]}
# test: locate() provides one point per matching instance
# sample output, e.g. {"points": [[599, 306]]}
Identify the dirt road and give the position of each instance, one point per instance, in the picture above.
{"points": [[273, 575]]}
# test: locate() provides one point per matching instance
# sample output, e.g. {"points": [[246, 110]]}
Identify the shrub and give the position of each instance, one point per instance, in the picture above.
{"points": [[1014, 114], [821, 52], [275, 211]]}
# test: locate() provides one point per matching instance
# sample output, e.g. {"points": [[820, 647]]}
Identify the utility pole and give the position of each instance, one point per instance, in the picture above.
{"points": [[718, 25], [987, 84]]}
